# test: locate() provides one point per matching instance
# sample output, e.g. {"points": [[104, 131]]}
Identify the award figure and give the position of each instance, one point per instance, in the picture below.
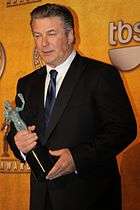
{"points": [[12, 114], [38, 159]]}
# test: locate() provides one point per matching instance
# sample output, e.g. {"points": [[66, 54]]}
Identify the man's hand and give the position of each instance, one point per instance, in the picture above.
{"points": [[64, 165], [25, 140]]}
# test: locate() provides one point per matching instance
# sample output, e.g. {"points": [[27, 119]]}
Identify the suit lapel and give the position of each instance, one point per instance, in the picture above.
{"points": [[39, 87], [65, 92], [38, 99]]}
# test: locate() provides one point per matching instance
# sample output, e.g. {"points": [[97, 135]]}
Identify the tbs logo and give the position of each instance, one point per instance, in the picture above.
{"points": [[124, 58]]}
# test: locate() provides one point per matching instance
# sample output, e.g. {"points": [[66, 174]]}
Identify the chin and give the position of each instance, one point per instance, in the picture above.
{"points": [[50, 63], [47, 60]]}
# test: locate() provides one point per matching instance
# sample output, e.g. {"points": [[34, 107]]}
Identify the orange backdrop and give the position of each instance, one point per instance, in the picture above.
{"points": [[15, 36]]}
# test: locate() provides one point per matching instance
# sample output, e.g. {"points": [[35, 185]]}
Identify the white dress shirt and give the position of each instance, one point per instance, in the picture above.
{"points": [[62, 70]]}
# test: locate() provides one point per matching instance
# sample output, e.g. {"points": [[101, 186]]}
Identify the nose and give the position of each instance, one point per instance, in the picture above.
{"points": [[45, 41]]}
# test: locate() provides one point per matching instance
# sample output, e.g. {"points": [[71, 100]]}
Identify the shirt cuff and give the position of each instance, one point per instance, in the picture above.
{"points": [[76, 172]]}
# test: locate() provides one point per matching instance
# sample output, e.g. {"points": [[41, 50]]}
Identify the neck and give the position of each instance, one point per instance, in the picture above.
{"points": [[63, 59]]}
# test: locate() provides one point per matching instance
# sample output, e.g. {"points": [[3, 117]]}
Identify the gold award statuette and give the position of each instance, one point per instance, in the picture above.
{"points": [[38, 158]]}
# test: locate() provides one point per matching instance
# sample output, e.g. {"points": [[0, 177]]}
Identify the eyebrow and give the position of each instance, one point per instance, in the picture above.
{"points": [[48, 31]]}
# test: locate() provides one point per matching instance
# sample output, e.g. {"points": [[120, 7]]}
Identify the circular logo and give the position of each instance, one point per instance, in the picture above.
{"points": [[2, 59]]}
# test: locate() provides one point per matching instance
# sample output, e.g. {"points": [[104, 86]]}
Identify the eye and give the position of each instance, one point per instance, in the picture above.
{"points": [[52, 33], [36, 35]]}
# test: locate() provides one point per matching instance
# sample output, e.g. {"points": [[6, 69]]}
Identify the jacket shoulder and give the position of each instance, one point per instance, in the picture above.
{"points": [[35, 74], [96, 63]]}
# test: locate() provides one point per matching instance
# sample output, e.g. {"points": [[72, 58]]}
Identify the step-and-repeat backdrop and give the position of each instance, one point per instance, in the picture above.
{"points": [[108, 30]]}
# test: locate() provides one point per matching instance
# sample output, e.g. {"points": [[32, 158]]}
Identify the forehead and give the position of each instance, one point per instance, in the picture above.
{"points": [[47, 23]]}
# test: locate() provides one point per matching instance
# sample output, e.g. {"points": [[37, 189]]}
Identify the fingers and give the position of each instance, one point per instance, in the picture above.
{"points": [[63, 166], [25, 140]]}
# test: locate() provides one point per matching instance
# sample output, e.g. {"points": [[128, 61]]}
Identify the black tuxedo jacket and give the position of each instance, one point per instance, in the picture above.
{"points": [[92, 116]]}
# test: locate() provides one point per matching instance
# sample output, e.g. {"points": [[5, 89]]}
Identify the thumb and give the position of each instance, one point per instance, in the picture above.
{"points": [[55, 152], [31, 128]]}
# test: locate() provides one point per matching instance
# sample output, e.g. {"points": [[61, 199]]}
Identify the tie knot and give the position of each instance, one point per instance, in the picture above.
{"points": [[53, 74]]}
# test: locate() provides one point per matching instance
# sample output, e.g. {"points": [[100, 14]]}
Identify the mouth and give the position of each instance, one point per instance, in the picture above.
{"points": [[47, 52]]}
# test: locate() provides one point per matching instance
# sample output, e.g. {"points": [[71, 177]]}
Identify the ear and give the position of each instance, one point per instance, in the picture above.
{"points": [[71, 37]]}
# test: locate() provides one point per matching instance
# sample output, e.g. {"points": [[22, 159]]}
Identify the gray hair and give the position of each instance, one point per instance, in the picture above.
{"points": [[53, 10]]}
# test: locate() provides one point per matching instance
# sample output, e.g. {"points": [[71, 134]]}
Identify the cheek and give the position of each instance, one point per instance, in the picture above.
{"points": [[61, 45], [37, 44]]}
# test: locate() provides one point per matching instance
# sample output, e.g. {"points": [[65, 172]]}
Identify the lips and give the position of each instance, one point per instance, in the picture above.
{"points": [[47, 51]]}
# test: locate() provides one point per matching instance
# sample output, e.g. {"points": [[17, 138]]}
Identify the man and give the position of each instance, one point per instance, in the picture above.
{"points": [[90, 123]]}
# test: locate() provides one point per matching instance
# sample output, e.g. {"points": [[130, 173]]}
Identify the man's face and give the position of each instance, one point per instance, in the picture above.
{"points": [[52, 41]]}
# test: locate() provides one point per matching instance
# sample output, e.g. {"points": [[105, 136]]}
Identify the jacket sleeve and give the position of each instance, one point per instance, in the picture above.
{"points": [[115, 123]]}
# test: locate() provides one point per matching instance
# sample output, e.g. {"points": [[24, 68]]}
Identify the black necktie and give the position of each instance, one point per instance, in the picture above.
{"points": [[51, 93]]}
